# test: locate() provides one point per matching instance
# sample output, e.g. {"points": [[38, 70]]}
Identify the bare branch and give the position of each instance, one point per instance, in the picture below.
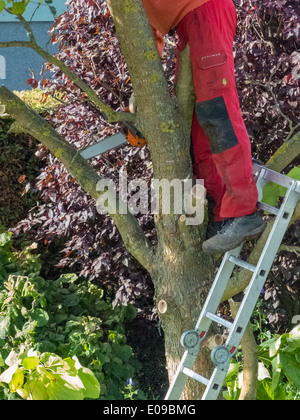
{"points": [[286, 153], [111, 115], [15, 44], [289, 248]]}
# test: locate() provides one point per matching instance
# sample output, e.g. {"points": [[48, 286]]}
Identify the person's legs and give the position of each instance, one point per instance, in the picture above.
{"points": [[210, 31]]}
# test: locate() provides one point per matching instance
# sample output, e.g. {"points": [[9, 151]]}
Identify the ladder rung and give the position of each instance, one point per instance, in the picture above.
{"points": [[219, 320], [241, 263], [194, 375], [267, 207], [278, 178]]}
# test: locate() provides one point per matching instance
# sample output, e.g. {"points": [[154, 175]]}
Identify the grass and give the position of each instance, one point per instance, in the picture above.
{"points": [[18, 164], [35, 98]]}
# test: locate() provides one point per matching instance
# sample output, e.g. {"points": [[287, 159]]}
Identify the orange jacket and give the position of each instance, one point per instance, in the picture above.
{"points": [[165, 15]]}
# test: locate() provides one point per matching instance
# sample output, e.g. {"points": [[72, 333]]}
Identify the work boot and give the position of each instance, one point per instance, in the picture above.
{"points": [[235, 231], [213, 228]]}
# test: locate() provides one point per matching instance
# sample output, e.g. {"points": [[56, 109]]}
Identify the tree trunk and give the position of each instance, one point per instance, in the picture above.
{"points": [[182, 280]]}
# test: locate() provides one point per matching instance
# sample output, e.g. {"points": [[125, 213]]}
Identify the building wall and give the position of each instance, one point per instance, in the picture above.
{"points": [[15, 63]]}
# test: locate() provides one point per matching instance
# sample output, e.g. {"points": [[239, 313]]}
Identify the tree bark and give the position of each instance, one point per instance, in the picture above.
{"points": [[250, 354], [289, 151]]}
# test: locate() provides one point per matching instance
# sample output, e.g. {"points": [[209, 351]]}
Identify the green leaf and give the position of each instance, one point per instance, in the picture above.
{"points": [[40, 316], [264, 391], [36, 390], [276, 373], [45, 374], [71, 300], [53, 11], [4, 324], [91, 385], [17, 380], [12, 358], [18, 8], [1, 361], [2, 5], [52, 361], [59, 390], [4, 238], [23, 393], [30, 363], [290, 367], [131, 312], [125, 353], [295, 173], [68, 278], [69, 366]]}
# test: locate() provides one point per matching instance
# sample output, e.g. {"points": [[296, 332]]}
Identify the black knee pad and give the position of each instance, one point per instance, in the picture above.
{"points": [[213, 117]]}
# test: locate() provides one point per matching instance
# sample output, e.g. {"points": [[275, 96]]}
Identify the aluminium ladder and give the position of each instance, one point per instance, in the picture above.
{"points": [[221, 355]]}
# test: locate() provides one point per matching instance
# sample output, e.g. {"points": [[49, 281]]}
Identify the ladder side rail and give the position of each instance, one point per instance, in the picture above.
{"points": [[263, 267], [180, 379], [217, 290], [211, 305], [253, 291], [216, 382]]}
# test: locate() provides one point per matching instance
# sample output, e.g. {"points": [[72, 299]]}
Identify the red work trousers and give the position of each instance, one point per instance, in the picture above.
{"points": [[221, 143]]}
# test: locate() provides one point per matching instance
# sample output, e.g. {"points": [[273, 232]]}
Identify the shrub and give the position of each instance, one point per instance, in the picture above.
{"points": [[35, 376], [66, 317], [279, 369]]}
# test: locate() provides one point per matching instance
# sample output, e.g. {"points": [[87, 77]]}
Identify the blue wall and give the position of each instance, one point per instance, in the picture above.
{"points": [[16, 62]]}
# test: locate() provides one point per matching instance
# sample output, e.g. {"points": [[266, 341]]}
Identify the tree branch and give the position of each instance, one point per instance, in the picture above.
{"points": [[286, 153], [185, 91], [15, 44], [289, 248], [158, 114], [250, 353], [111, 115], [132, 234]]}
